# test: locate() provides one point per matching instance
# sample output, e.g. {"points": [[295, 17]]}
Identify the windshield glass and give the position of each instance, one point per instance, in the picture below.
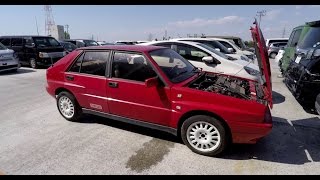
{"points": [[90, 43], [216, 44], [2, 47], [173, 65], [46, 42], [311, 38], [68, 46], [214, 51]]}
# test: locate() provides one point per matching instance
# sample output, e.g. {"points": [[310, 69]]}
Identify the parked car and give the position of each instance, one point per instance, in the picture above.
{"points": [[279, 55], [198, 53], [236, 40], [301, 39], [215, 45], [274, 48], [35, 50], [155, 87], [68, 46], [276, 40], [83, 42], [317, 105], [103, 43], [303, 77], [9, 60], [234, 48], [127, 42]]}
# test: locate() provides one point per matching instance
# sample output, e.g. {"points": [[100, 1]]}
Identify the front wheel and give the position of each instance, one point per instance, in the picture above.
{"points": [[68, 106], [204, 135]]}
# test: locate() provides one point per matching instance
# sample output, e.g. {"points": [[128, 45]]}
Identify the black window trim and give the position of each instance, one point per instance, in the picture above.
{"points": [[86, 74], [109, 75]]}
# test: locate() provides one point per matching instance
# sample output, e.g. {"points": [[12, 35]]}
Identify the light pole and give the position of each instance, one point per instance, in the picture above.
{"points": [[260, 14]]}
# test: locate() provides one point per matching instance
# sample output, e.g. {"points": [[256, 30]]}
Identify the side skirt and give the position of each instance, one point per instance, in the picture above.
{"points": [[131, 121]]}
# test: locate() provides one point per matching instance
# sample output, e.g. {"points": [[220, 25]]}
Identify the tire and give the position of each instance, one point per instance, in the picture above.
{"points": [[273, 55], [317, 108], [33, 63], [68, 106], [197, 125]]}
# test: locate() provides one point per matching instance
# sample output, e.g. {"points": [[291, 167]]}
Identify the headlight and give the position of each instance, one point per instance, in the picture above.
{"points": [[251, 71], [43, 55], [245, 58], [15, 55]]}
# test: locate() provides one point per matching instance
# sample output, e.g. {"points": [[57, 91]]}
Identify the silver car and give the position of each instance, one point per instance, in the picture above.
{"points": [[8, 59]]}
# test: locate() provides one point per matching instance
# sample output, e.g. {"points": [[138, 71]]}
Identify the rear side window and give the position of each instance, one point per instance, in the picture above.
{"points": [[5, 41], [16, 42], [294, 38], [91, 62]]}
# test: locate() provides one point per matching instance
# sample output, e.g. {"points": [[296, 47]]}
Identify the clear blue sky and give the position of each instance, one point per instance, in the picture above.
{"points": [[112, 23]]}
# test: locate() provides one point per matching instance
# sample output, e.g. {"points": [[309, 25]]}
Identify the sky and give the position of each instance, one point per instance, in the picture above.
{"points": [[138, 22]]}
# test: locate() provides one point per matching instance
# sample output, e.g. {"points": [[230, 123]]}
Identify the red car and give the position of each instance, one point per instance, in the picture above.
{"points": [[155, 87]]}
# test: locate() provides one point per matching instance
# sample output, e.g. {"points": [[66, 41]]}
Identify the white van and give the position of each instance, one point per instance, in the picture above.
{"points": [[275, 40]]}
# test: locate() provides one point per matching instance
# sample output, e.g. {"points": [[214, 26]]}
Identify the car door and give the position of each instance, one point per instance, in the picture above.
{"points": [[128, 95], [87, 79], [17, 46]]}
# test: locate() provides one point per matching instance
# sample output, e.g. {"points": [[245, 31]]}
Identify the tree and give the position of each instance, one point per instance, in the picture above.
{"points": [[249, 43], [66, 35]]}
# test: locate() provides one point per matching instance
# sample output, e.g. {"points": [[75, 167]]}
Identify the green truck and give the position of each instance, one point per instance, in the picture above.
{"points": [[301, 39]]}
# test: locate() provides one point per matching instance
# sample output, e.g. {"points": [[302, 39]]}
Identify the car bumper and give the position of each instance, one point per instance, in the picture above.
{"points": [[250, 133], [7, 66]]}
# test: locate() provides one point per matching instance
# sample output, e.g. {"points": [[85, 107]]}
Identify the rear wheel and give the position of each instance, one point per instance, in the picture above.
{"points": [[204, 135], [68, 106], [33, 63]]}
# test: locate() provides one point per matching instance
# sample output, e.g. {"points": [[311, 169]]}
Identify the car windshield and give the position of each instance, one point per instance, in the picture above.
{"points": [[68, 46], [2, 47], [46, 42], [90, 43], [216, 44], [214, 51], [311, 38], [173, 65]]}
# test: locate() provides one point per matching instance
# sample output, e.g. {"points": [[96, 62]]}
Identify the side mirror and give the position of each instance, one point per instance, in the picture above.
{"points": [[151, 82], [210, 60], [217, 49], [230, 49], [32, 45]]}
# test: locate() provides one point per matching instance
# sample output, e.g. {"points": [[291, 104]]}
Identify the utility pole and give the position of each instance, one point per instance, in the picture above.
{"points": [[37, 25], [67, 28], [165, 34], [284, 32], [260, 14]]}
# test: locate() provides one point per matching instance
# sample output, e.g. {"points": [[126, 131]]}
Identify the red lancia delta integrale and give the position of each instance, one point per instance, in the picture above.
{"points": [[155, 87]]}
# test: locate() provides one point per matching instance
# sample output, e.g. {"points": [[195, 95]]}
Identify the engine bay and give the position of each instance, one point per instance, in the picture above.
{"points": [[225, 85]]}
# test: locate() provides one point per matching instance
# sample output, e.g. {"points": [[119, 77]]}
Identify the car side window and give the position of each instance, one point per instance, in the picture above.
{"points": [[16, 42], [227, 45], [296, 38], [76, 66], [5, 41], [94, 62], [191, 53], [131, 66]]}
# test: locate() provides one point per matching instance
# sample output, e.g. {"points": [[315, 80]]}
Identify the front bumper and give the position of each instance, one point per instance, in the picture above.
{"points": [[9, 65], [249, 133]]}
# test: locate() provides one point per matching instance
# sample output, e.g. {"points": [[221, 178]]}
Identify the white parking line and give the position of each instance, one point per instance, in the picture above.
{"points": [[308, 155]]}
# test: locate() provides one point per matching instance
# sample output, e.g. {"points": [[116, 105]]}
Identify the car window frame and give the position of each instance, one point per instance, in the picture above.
{"points": [[109, 75], [82, 54], [190, 46]]}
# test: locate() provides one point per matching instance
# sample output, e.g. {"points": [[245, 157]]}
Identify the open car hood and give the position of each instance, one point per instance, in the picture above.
{"points": [[263, 61]]}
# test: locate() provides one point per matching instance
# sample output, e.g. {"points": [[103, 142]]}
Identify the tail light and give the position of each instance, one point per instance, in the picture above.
{"points": [[267, 116]]}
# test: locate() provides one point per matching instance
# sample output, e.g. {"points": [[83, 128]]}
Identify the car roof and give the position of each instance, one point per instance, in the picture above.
{"points": [[138, 48], [201, 39], [170, 41], [14, 36]]}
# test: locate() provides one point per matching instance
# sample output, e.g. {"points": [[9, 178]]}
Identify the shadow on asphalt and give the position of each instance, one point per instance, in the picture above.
{"points": [[295, 142], [19, 71], [298, 143], [277, 98]]}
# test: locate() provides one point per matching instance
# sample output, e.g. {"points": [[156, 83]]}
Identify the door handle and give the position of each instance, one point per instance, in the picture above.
{"points": [[69, 77], [113, 84]]}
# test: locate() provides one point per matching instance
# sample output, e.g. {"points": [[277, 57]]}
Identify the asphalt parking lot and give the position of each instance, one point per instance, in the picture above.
{"points": [[36, 139]]}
